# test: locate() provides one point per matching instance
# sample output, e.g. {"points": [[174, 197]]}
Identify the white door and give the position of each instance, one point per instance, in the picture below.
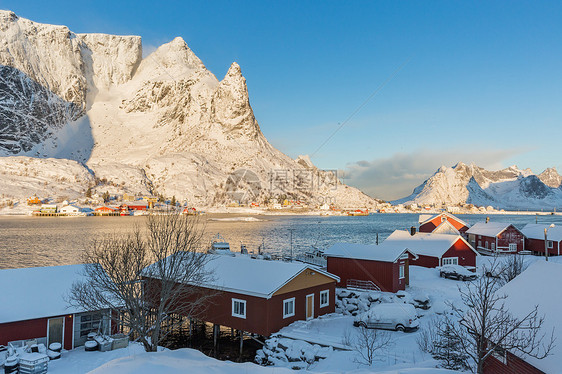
{"points": [[55, 331]]}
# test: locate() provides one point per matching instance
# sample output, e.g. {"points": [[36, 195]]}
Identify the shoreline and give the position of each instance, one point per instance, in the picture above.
{"points": [[242, 211]]}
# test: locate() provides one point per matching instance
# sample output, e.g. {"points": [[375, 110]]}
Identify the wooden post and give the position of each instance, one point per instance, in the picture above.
{"points": [[241, 342], [232, 332], [215, 336]]}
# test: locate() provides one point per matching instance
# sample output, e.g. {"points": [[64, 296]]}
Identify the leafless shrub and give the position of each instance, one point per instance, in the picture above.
{"points": [[369, 343], [513, 266]]}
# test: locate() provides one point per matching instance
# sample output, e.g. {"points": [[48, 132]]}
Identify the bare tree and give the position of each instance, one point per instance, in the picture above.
{"points": [[513, 266], [147, 277], [486, 325], [369, 342]]}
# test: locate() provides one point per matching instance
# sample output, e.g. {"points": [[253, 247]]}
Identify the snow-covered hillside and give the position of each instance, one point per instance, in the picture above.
{"points": [[510, 188], [160, 124]]}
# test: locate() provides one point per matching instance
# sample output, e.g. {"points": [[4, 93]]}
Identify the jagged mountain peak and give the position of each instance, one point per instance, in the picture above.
{"points": [[7, 16], [509, 188], [176, 53], [551, 178], [234, 70], [159, 124]]}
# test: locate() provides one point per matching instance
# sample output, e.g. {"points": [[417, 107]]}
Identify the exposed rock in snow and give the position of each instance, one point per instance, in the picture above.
{"points": [[551, 178], [162, 124], [510, 188]]}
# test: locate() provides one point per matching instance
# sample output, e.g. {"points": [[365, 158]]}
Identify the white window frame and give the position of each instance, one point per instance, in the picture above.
{"points": [[449, 261], [239, 315], [493, 246], [549, 244], [486, 244], [480, 243], [327, 294], [512, 247], [285, 302], [401, 271]]}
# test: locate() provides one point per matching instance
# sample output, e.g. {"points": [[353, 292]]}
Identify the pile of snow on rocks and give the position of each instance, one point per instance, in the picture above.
{"points": [[296, 354], [354, 302]]}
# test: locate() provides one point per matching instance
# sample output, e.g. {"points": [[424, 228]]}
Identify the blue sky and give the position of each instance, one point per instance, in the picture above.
{"points": [[482, 82]]}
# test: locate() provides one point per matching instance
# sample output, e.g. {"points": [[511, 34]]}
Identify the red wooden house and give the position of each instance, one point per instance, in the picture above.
{"points": [[137, 205], [535, 241], [33, 307], [106, 211], [496, 237], [436, 249], [521, 297], [442, 223], [261, 297], [384, 267]]}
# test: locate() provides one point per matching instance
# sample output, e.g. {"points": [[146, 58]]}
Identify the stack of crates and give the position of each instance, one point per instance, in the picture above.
{"points": [[33, 363]]}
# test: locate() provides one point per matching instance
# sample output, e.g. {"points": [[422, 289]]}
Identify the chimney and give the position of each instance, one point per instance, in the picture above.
{"points": [[487, 219], [413, 230]]}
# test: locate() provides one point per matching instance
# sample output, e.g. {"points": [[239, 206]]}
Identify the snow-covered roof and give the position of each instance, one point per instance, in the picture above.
{"points": [[446, 227], [427, 244], [245, 275], [30, 293], [424, 218], [491, 229], [385, 252], [536, 231], [539, 285]]}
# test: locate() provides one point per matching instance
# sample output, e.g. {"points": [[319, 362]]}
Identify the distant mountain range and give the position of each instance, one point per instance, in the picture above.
{"points": [[510, 188], [87, 110]]}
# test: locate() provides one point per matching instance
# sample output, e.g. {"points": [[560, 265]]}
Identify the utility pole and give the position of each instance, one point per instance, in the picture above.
{"points": [[546, 241], [545, 244]]}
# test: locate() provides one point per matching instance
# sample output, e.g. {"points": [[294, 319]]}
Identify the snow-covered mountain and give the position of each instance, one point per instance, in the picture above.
{"points": [[551, 178], [160, 124], [510, 188]]}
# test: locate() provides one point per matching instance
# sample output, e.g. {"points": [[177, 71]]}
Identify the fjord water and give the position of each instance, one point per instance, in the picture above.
{"points": [[48, 241]]}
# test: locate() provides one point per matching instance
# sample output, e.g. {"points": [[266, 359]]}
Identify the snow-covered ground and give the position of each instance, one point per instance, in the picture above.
{"points": [[134, 360], [403, 356]]}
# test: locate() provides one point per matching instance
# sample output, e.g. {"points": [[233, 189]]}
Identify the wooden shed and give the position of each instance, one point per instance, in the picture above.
{"points": [[535, 241], [435, 250], [442, 223], [260, 296], [33, 306], [384, 267], [496, 237]]}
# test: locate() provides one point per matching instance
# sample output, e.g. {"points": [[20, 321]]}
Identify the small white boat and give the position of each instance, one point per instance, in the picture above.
{"points": [[314, 256], [220, 247]]}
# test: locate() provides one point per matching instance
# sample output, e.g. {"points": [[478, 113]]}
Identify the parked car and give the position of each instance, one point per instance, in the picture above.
{"points": [[389, 316], [456, 272]]}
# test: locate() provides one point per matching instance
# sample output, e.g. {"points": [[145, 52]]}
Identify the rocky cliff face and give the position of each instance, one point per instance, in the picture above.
{"points": [[159, 124], [509, 188], [551, 178]]}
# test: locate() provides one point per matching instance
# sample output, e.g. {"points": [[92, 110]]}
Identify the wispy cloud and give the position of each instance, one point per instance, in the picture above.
{"points": [[396, 176]]}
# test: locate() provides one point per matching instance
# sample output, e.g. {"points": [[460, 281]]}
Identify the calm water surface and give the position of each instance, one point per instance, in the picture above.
{"points": [[45, 241]]}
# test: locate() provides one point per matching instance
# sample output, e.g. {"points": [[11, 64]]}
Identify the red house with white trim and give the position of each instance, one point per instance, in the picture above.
{"points": [[33, 306], [496, 237], [384, 267], [534, 234], [435, 250], [261, 297], [521, 297], [442, 223]]}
